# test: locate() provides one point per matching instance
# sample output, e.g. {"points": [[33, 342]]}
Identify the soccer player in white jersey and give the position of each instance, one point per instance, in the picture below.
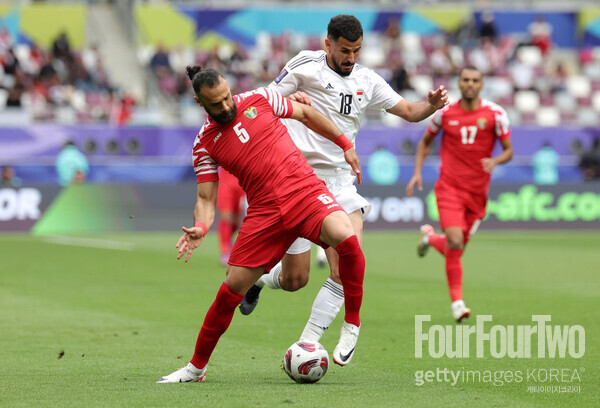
{"points": [[340, 88]]}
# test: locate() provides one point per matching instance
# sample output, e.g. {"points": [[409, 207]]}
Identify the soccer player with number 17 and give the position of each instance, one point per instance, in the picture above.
{"points": [[470, 128]]}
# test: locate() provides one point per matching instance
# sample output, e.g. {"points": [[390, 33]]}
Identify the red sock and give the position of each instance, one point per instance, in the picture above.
{"points": [[352, 273], [225, 231], [438, 241], [215, 323], [454, 273]]}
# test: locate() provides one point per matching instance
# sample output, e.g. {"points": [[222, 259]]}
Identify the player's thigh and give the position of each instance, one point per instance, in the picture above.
{"points": [[241, 278], [335, 228], [356, 219]]}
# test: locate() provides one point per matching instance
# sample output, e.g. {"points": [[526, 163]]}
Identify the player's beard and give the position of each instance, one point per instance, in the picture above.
{"points": [[338, 68], [225, 117]]}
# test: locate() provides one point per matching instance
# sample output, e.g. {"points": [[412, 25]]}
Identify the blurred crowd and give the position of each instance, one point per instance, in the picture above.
{"points": [[42, 81], [535, 81]]}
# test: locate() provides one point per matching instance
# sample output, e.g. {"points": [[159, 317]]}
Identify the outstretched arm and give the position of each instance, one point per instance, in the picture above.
{"points": [[204, 215], [318, 123], [417, 111], [422, 152]]}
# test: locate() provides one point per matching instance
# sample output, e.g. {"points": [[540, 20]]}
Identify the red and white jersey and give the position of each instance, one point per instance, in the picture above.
{"points": [[468, 137], [255, 147], [342, 99]]}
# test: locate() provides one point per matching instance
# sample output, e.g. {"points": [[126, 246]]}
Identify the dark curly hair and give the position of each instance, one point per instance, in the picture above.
{"points": [[200, 77], [344, 25]]}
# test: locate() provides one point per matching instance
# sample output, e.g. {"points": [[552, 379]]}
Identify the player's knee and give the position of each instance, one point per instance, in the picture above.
{"points": [[455, 242], [292, 283]]}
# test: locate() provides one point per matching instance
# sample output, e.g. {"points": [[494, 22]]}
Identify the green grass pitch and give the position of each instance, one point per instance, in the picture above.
{"points": [[123, 318]]}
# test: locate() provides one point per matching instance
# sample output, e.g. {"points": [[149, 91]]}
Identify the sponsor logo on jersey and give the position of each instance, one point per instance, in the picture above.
{"points": [[329, 86], [359, 94], [281, 75], [453, 122], [251, 112], [217, 137], [481, 122]]}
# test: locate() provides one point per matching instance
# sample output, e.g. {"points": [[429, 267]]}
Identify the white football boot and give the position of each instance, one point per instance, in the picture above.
{"points": [[189, 373], [459, 311], [344, 351], [422, 245]]}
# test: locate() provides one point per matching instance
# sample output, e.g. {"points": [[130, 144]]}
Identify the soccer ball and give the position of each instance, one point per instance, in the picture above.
{"points": [[306, 361]]}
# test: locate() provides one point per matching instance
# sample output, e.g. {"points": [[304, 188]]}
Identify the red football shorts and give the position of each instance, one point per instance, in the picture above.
{"points": [[230, 193], [458, 207], [269, 229]]}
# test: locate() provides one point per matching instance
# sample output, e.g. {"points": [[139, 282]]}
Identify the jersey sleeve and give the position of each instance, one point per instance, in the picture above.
{"points": [[384, 97], [287, 82], [435, 124], [205, 167], [502, 127], [281, 105]]}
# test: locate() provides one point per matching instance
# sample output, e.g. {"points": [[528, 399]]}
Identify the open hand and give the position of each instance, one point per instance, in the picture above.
{"points": [[438, 98], [190, 240]]}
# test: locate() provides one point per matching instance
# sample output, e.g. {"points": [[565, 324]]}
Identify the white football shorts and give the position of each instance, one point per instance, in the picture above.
{"points": [[341, 183]]}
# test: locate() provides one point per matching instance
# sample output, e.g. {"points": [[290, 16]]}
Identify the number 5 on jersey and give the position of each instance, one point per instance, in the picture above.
{"points": [[241, 133]]}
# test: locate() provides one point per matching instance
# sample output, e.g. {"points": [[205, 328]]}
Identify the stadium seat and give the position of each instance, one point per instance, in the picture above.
{"points": [[391, 120], [579, 86], [3, 98], [548, 116], [422, 83], [592, 71], [497, 88], [513, 115], [530, 55], [527, 101], [372, 56], [565, 102], [587, 117], [596, 101]]}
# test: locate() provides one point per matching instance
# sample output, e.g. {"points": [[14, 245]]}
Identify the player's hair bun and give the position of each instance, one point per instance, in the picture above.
{"points": [[192, 71]]}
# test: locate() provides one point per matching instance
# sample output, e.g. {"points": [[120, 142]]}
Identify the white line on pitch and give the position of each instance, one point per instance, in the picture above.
{"points": [[90, 242]]}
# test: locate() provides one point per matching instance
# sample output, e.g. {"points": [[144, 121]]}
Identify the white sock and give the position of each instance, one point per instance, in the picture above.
{"points": [[271, 279], [426, 239], [325, 308]]}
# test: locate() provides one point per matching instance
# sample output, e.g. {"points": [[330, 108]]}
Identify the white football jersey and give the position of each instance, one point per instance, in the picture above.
{"points": [[344, 100]]}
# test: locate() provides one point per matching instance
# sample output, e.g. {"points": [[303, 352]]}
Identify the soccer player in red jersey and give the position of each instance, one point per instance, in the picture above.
{"points": [[229, 205], [244, 135], [470, 128]]}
